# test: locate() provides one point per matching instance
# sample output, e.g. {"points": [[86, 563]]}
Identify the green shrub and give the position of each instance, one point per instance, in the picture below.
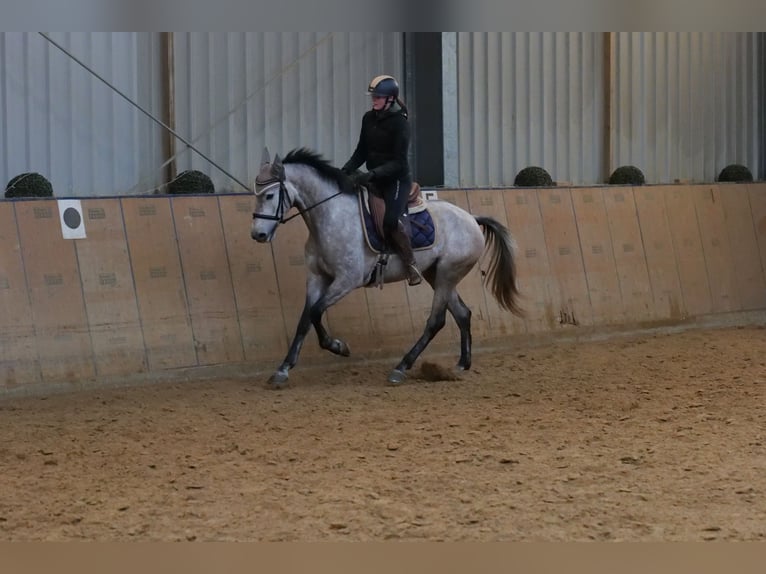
{"points": [[533, 177], [189, 182], [735, 172], [29, 185], [627, 175]]}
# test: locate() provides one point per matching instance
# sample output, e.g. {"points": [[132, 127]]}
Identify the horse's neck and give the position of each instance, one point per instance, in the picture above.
{"points": [[319, 200]]}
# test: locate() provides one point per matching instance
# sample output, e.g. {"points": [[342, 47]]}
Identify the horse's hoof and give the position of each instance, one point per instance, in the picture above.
{"points": [[396, 377], [340, 348], [278, 380]]}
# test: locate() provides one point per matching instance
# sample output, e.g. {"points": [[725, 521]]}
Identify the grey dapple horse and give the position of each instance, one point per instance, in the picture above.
{"points": [[338, 259]]}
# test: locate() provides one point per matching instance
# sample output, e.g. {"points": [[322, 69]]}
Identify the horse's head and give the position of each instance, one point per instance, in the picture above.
{"points": [[313, 181], [271, 199]]}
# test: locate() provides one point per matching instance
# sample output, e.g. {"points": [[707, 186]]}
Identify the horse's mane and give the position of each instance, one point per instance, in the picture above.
{"points": [[325, 169]]}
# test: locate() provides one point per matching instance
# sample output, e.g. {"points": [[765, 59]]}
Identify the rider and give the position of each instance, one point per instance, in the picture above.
{"points": [[383, 144]]}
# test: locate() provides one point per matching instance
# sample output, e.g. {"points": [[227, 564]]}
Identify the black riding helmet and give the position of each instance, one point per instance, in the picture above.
{"points": [[386, 86]]}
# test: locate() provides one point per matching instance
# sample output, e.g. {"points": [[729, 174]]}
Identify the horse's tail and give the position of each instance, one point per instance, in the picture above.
{"points": [[501, 273]]}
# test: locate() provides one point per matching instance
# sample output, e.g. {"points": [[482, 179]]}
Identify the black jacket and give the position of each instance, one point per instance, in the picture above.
{"points": [[383, 144]]}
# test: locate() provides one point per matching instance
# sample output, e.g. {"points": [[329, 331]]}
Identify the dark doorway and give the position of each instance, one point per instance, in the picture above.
{"points": [[423, 65]]}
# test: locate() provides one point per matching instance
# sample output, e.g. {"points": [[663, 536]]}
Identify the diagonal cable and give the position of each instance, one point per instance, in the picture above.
{"points": [[124, 96]]}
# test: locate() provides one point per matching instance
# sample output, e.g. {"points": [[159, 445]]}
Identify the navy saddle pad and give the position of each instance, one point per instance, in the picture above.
{"points": [[422, 230]]}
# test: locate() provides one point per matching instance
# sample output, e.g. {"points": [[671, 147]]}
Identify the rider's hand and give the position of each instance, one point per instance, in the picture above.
{"points": [[362, 178]]}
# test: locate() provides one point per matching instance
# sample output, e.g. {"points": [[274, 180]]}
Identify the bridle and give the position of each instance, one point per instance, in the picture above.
{"points": [[284, 199], [264, 184]]}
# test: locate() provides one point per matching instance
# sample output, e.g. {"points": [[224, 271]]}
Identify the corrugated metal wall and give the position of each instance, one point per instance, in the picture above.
{"points": [[685, 104], [529, 98], [236, 92], [62, 122], [682, 105]]}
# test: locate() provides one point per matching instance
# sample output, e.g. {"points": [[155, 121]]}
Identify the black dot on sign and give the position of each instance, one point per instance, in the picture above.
{"points": [[72, 218]]}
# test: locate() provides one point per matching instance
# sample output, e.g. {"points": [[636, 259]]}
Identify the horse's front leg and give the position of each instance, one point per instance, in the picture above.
{"points": [[315, 288], [328, 343], [320, 295], [279, 379], [334, 292]]}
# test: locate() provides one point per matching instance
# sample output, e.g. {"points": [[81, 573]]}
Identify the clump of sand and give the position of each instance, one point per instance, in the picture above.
{"points": [[434, 372]]}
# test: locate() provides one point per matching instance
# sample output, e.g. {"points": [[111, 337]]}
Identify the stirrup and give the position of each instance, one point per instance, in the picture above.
{"points": [[416, 278], [378, 275]]}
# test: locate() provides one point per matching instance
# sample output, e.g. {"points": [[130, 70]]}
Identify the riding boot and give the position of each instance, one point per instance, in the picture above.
{"points": [[401, 244]]}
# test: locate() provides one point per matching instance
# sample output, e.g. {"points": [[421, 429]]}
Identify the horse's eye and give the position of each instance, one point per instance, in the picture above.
{"points": [[270, 195]]}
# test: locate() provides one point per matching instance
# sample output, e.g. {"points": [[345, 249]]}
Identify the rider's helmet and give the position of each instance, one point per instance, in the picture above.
{"points": [[386, 86]]}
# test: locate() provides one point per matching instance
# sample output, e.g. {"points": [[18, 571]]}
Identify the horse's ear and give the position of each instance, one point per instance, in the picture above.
{"points": [[277, 169], [265, 158]]}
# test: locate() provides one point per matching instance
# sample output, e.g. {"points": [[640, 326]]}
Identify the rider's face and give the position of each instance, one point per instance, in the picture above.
{"points": [[379, 103]]}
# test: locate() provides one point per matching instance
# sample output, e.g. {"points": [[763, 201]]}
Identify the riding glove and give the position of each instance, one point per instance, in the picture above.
{"points": [[362, 178]]}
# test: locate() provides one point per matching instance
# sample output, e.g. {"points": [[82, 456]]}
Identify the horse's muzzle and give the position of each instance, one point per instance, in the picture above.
{"points": [[260, 236]]}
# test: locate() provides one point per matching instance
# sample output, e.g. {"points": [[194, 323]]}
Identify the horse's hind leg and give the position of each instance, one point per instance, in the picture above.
{"points": [[434, 324], [462, 314]]}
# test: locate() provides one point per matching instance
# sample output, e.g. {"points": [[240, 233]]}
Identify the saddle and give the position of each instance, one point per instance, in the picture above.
{"points": [[418, 224], [377, 206]]}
